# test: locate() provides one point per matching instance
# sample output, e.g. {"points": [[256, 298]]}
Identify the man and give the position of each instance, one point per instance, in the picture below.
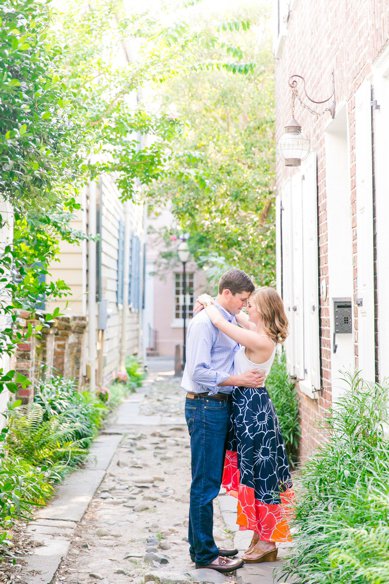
{"points": [[209, 380]]}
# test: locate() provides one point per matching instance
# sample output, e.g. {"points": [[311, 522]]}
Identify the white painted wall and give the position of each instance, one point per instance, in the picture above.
{"points": [[340, 263]]}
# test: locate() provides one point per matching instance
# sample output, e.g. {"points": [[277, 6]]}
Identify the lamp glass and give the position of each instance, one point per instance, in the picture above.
{"points": [[183, 251], [294, 145]]}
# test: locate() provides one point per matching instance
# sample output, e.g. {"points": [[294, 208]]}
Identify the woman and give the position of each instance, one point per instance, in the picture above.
{"points": [[256, 469]]}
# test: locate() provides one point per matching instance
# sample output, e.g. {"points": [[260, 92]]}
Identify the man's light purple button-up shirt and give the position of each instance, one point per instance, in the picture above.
{"points": [[210, 355]]}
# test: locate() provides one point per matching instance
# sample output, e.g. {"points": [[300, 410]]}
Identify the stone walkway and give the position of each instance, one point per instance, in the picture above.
{"points": [[124, 517]]}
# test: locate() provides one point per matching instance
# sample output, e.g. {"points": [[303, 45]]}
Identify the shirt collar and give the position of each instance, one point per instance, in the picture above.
{"points": [[230, 317]]}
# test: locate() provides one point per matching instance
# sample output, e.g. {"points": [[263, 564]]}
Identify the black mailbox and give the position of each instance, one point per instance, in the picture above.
{"points": [[343, 315]]}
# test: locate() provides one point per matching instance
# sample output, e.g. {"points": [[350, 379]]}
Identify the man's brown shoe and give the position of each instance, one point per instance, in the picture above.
{"points": [[222, 564], [228, 553], [224, 553]]}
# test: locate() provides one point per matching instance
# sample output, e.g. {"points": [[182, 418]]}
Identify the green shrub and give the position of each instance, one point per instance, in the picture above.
{"points": [[45, 440], [284, 397], [342, 515], [43, 443], [51, 444], [135, 371], [21, 486], [81, 409]]}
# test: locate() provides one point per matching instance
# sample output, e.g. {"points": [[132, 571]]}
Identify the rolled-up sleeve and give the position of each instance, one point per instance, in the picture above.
{"points": [[199, 352]]}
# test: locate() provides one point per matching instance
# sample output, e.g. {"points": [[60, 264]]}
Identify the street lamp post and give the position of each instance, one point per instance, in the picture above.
{"points": [[183, 254]]}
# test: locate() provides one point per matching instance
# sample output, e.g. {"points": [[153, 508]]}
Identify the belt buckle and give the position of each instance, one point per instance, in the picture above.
{"points": [[190, 396]]}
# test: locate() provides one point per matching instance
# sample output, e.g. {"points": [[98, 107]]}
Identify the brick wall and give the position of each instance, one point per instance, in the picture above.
{"points": [[57, 352], [323, 36]]}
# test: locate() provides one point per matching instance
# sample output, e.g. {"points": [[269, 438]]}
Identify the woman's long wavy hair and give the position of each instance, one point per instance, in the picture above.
{"points": [[268, 302]]}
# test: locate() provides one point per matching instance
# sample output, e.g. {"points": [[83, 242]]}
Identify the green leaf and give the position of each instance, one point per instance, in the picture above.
{"points": [[14, 83], [46, 115], [14, 43], [13, 388], [23, 129], [16, 404], [23, 380]]}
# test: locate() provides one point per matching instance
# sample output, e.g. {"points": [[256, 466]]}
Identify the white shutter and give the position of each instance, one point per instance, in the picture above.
{"points": [[278, 245], [287, 271], [311, 277], [365, 256], [297, 330]]}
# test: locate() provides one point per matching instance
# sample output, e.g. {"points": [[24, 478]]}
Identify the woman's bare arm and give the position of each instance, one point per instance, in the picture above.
{"points": [[243, 320], [248, 338]]}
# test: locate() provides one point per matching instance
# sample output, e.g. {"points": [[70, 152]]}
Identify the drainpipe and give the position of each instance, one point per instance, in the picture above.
{"points": [[142, 283], [126, 277], [92, 288]]}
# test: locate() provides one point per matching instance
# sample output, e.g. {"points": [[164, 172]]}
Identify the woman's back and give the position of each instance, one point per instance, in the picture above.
{"points": [[242, 363]]}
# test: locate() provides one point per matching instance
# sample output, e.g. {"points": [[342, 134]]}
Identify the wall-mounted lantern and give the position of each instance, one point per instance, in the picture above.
{"points": [[293, 144]]}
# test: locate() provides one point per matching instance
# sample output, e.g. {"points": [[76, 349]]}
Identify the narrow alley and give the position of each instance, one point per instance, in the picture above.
{"points": [[133, 525]]}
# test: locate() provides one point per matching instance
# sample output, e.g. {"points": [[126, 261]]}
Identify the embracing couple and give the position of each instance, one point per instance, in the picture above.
{"points": [[234, 431]]}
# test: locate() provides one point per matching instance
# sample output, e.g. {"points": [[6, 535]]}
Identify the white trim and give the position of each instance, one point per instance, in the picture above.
{"points": [[281, 11], [381, 132], [179, 322]]}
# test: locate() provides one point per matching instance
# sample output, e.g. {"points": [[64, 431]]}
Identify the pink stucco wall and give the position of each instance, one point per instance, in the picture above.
{"points": [[170, 335]]}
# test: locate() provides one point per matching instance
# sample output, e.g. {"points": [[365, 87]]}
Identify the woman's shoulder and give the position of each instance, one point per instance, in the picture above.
{"points": [[264, 341]]}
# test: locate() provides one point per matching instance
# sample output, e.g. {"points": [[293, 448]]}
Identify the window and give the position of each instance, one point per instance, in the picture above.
{"points": [[179, 296]]}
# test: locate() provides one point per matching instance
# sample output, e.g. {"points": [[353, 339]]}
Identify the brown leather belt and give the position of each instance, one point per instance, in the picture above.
{"points": [[219, 396]]}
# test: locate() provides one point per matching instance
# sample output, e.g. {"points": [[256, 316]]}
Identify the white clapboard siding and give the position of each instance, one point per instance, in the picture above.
{"points": [[365, 258], [311, 275], [298, 276], [287, 270]]}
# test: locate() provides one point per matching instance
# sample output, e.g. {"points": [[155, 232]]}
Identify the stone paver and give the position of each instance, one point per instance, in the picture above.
{"points": [[124, 517]]}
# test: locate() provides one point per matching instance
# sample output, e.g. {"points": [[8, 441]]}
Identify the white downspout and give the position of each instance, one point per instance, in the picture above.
{"points": [[123, 346], [92, 288], [141, 339]]}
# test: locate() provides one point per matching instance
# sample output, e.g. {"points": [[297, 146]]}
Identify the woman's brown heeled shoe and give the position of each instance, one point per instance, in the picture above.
{"points": [[252, 545], [258, 556]]}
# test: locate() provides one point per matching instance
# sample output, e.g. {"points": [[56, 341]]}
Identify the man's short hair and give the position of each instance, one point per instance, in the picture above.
{"points": [[236, 281]]}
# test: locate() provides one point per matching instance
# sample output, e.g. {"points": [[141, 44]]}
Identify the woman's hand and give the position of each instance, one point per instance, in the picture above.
{"points": [[201, 301], [205, 299]]}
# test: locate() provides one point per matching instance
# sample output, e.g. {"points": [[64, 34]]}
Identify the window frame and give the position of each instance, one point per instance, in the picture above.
{"points": [[179, 322]]}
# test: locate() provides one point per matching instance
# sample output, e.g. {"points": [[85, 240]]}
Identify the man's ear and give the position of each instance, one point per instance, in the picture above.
{"points": [[226, 293]]}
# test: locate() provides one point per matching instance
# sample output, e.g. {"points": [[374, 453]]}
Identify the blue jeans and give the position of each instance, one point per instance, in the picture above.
{"points": [[207, 420]]}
